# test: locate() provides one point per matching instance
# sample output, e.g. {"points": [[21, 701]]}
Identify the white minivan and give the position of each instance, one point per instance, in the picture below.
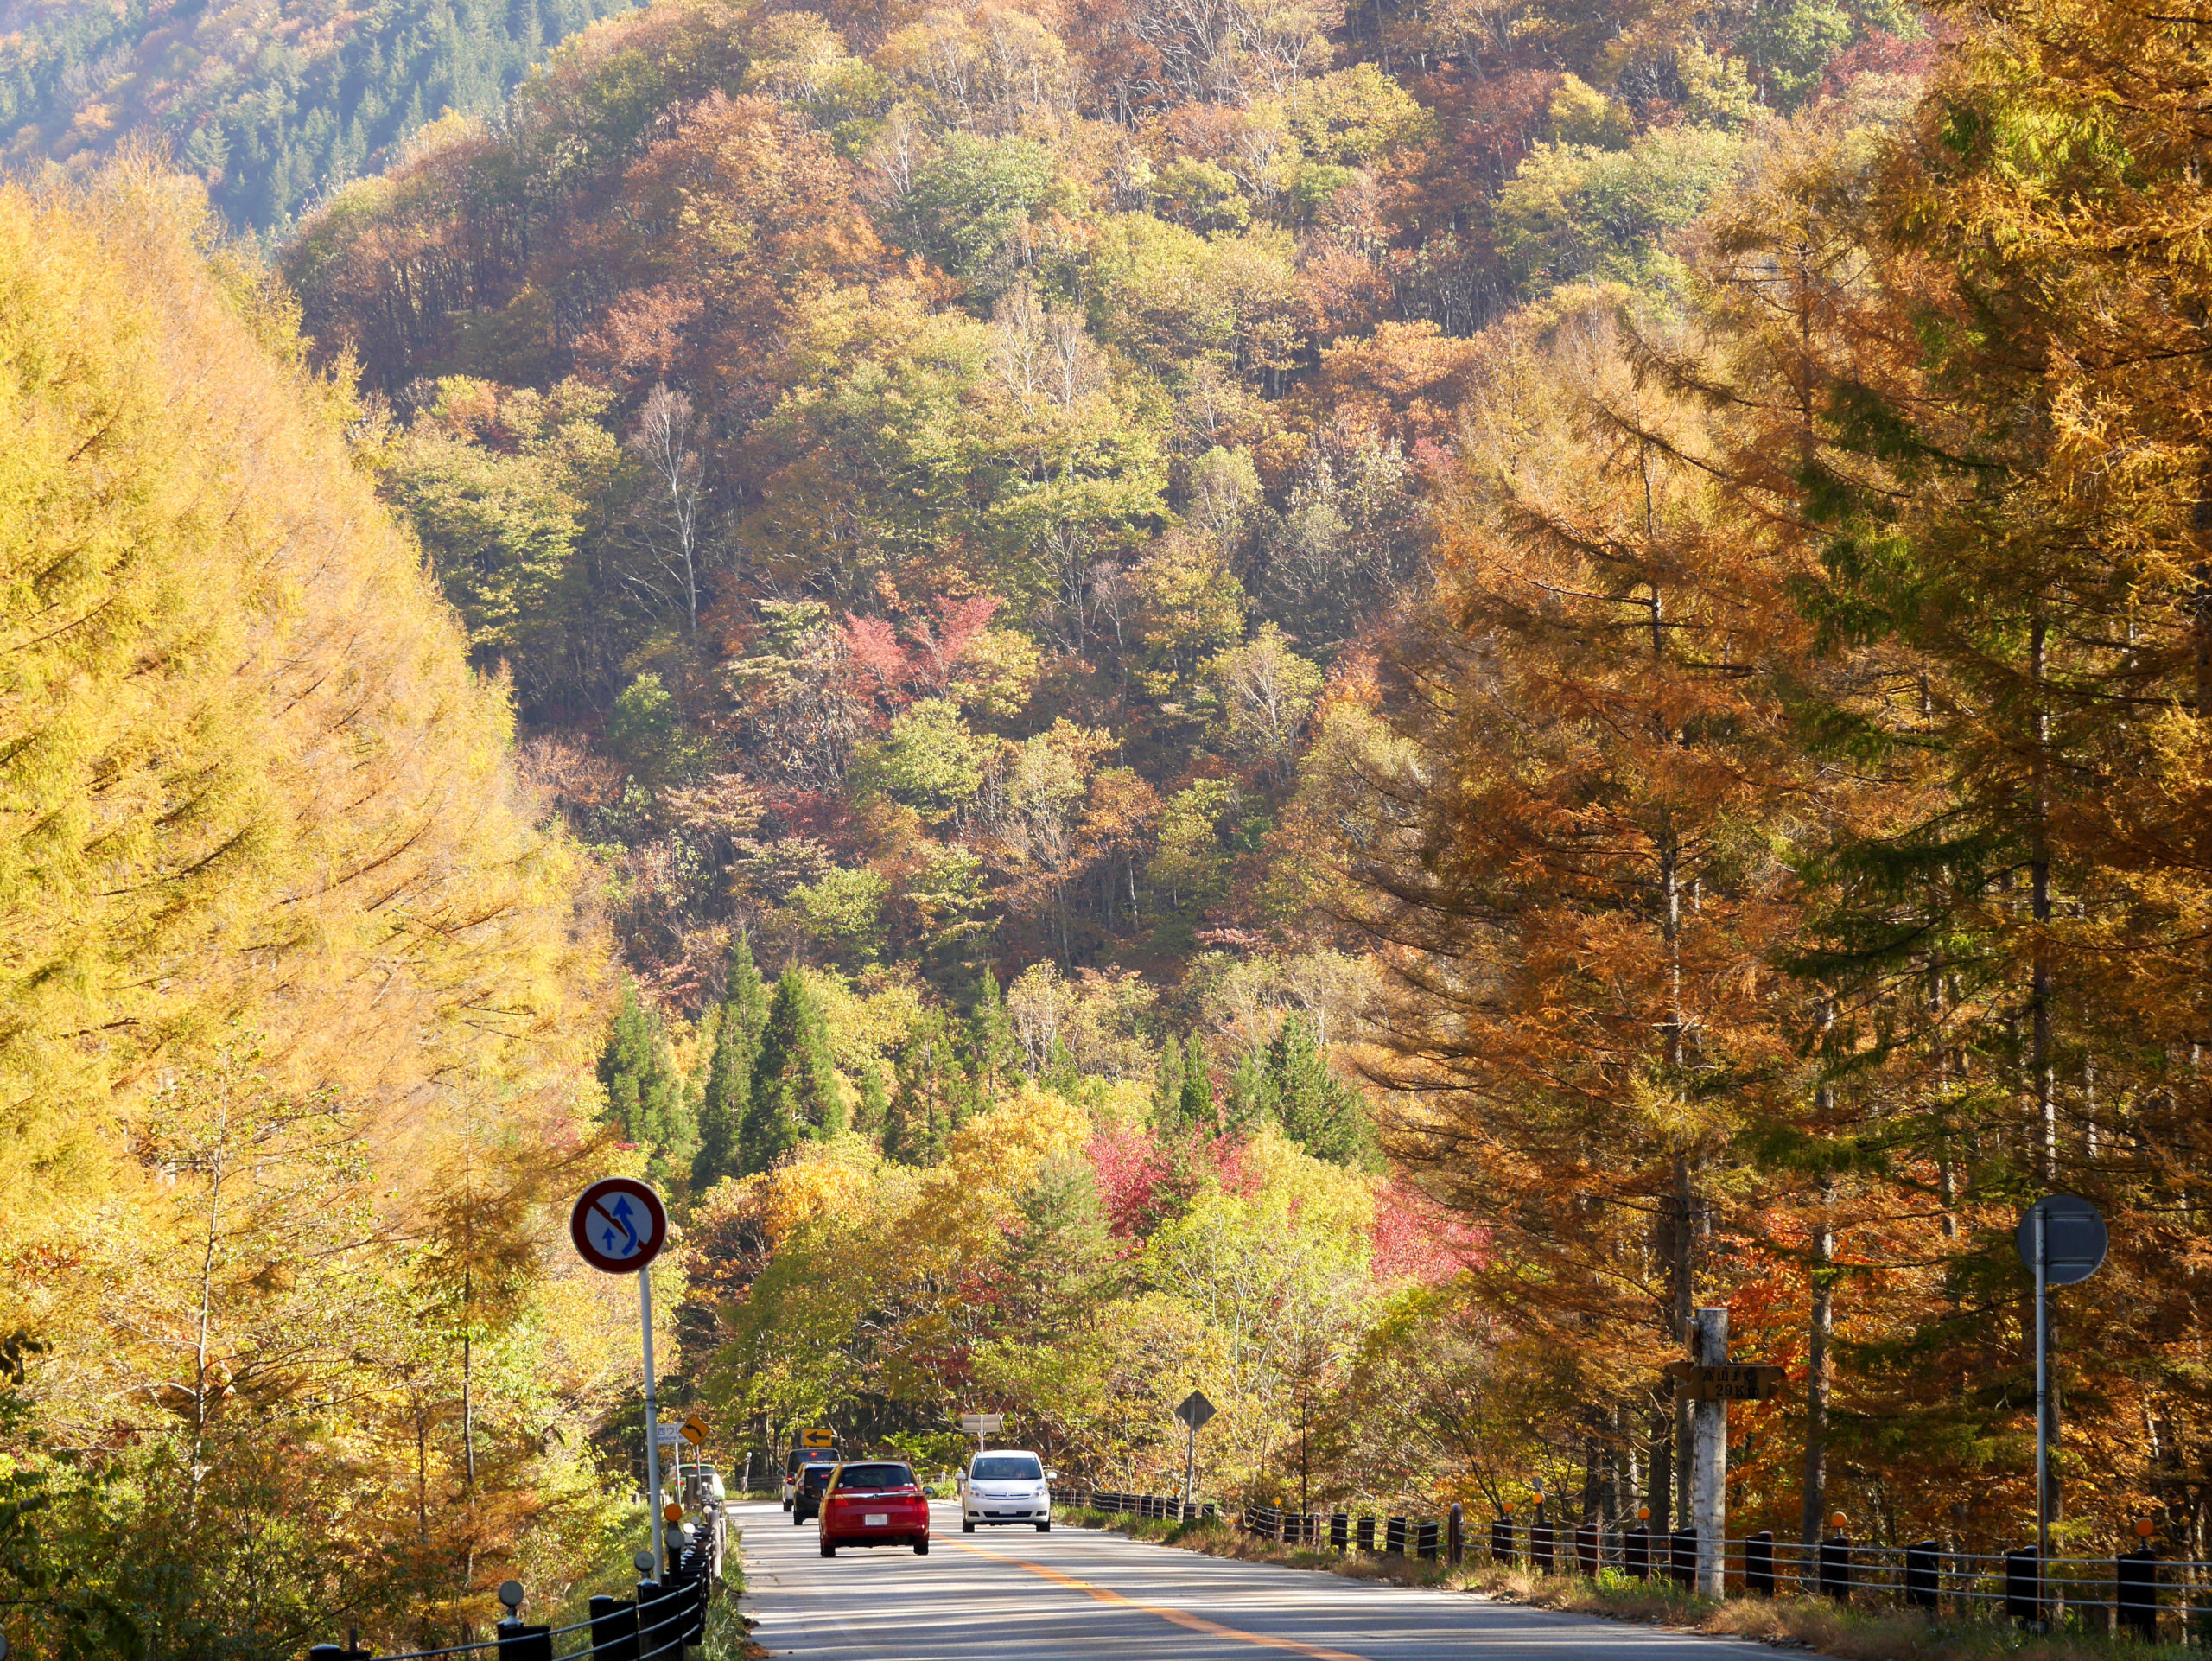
{"points": [[1006, 1486]]}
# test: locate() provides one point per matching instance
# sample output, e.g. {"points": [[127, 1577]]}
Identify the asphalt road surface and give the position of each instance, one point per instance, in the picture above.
{"points": [[1078, 1596]]}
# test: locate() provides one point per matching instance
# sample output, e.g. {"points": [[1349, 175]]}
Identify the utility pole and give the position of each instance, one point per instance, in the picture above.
{"points": [[1189, 1467]]}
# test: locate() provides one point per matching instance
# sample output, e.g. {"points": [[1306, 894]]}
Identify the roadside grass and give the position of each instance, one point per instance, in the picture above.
{"points": [[1815, 1624]]}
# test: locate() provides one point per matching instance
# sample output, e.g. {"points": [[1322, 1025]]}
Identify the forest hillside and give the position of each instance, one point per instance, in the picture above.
{"points": [[1461, 597], [270, 106], [1345, 705]]}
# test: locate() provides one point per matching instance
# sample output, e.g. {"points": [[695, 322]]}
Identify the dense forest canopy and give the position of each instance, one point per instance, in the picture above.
{"points": [[270, 107], [1341, 704], [1181, 534]]}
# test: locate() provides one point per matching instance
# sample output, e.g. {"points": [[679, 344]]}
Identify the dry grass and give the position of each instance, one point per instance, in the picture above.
{"points": [[1815, 1624]]}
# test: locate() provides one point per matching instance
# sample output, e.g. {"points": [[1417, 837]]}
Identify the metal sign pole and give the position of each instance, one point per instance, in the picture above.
{"points": [[1190, 1467], [652, 1423], [2042, 1413]]}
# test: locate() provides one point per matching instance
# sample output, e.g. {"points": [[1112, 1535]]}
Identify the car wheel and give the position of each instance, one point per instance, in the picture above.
{"points": [[829, 1549], [967, 1525], [922, 1546], [1044, 1528], [787, 1504]]}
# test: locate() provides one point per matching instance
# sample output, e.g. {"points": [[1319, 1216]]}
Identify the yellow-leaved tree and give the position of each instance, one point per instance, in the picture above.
{"points": [[297, 990]]}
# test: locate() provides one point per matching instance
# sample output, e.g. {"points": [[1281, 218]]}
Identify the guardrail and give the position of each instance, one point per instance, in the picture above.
{"points": [[654, 1625], [1169, 1508], [2139, 1592]]}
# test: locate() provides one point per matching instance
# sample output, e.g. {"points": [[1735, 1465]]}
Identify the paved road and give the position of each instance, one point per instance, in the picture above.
{"points": [[1077, 1595]]}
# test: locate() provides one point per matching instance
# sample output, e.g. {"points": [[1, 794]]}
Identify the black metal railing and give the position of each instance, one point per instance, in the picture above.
{"points": [[1169, 1508], [2139, 1592], [657, 1624]]}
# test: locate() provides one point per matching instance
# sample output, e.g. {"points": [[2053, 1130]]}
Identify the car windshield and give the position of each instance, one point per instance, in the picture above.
{"points": [[874, 1476], [817, 1477], [1007, 1467]]}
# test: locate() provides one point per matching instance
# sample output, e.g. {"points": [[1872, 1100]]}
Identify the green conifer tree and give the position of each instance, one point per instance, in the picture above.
{"points": [[646, 1094], [1245, 1106], [871, 1110], [1167, 1087], [1316, 1109], [728, 1092], [795, 1092], [919, 1116], [1194, 1103], [993, 1052]]}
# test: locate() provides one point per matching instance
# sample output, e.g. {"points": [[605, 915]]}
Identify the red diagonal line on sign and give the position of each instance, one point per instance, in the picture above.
{"points": [[618, 1228]]}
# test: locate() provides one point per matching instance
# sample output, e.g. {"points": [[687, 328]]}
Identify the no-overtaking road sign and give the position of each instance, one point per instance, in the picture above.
{"points": [[618, 1224]]}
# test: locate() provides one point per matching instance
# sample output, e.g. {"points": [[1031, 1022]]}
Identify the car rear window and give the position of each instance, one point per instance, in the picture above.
{"points": [[817, 1477], [874, 1476], [1007, 1467], [802, 1456]]}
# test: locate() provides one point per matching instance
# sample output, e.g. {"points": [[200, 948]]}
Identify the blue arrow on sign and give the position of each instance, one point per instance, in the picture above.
{"points": [[628, 1243]]}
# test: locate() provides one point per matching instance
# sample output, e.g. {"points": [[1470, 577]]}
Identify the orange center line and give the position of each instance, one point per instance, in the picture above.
{"points": [[1181, 1618]]}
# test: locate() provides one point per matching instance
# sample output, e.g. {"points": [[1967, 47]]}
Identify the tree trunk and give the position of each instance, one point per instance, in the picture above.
{"points": [[1817, 1385], [2043, 1063]]}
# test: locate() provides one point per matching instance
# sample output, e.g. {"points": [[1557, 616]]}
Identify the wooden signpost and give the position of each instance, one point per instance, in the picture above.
{"points": [[1731, 1382], [1711, 1382]]}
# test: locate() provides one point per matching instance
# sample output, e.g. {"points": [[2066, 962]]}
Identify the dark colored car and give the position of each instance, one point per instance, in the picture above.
{"points": [[796, 1462], [874, 1502], [806, 1493]]}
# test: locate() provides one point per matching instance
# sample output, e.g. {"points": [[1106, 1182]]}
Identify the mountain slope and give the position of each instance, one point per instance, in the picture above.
{"points": [[270, 106]]}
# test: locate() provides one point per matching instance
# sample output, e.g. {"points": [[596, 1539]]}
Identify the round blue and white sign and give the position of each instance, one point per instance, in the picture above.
{"points": [[618, 1224]]}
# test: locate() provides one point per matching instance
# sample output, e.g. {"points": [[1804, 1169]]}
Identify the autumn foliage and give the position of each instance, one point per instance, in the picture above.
{"points": [[1345, 705]]}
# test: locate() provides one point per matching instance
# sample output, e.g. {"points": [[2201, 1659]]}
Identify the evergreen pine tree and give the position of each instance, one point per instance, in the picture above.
{"points": [[728, 1092], [1167, 1086], [646, 1093], [1194, 1106], [1244, 1107], [919, 1118], [1182, 1091], [1316, 1109], [1059, 1252], [871, 1111], [993, 1052], [795, 1094]]}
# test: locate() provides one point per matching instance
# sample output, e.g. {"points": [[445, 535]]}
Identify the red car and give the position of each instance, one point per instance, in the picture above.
{"points": [[874, 1502]]}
